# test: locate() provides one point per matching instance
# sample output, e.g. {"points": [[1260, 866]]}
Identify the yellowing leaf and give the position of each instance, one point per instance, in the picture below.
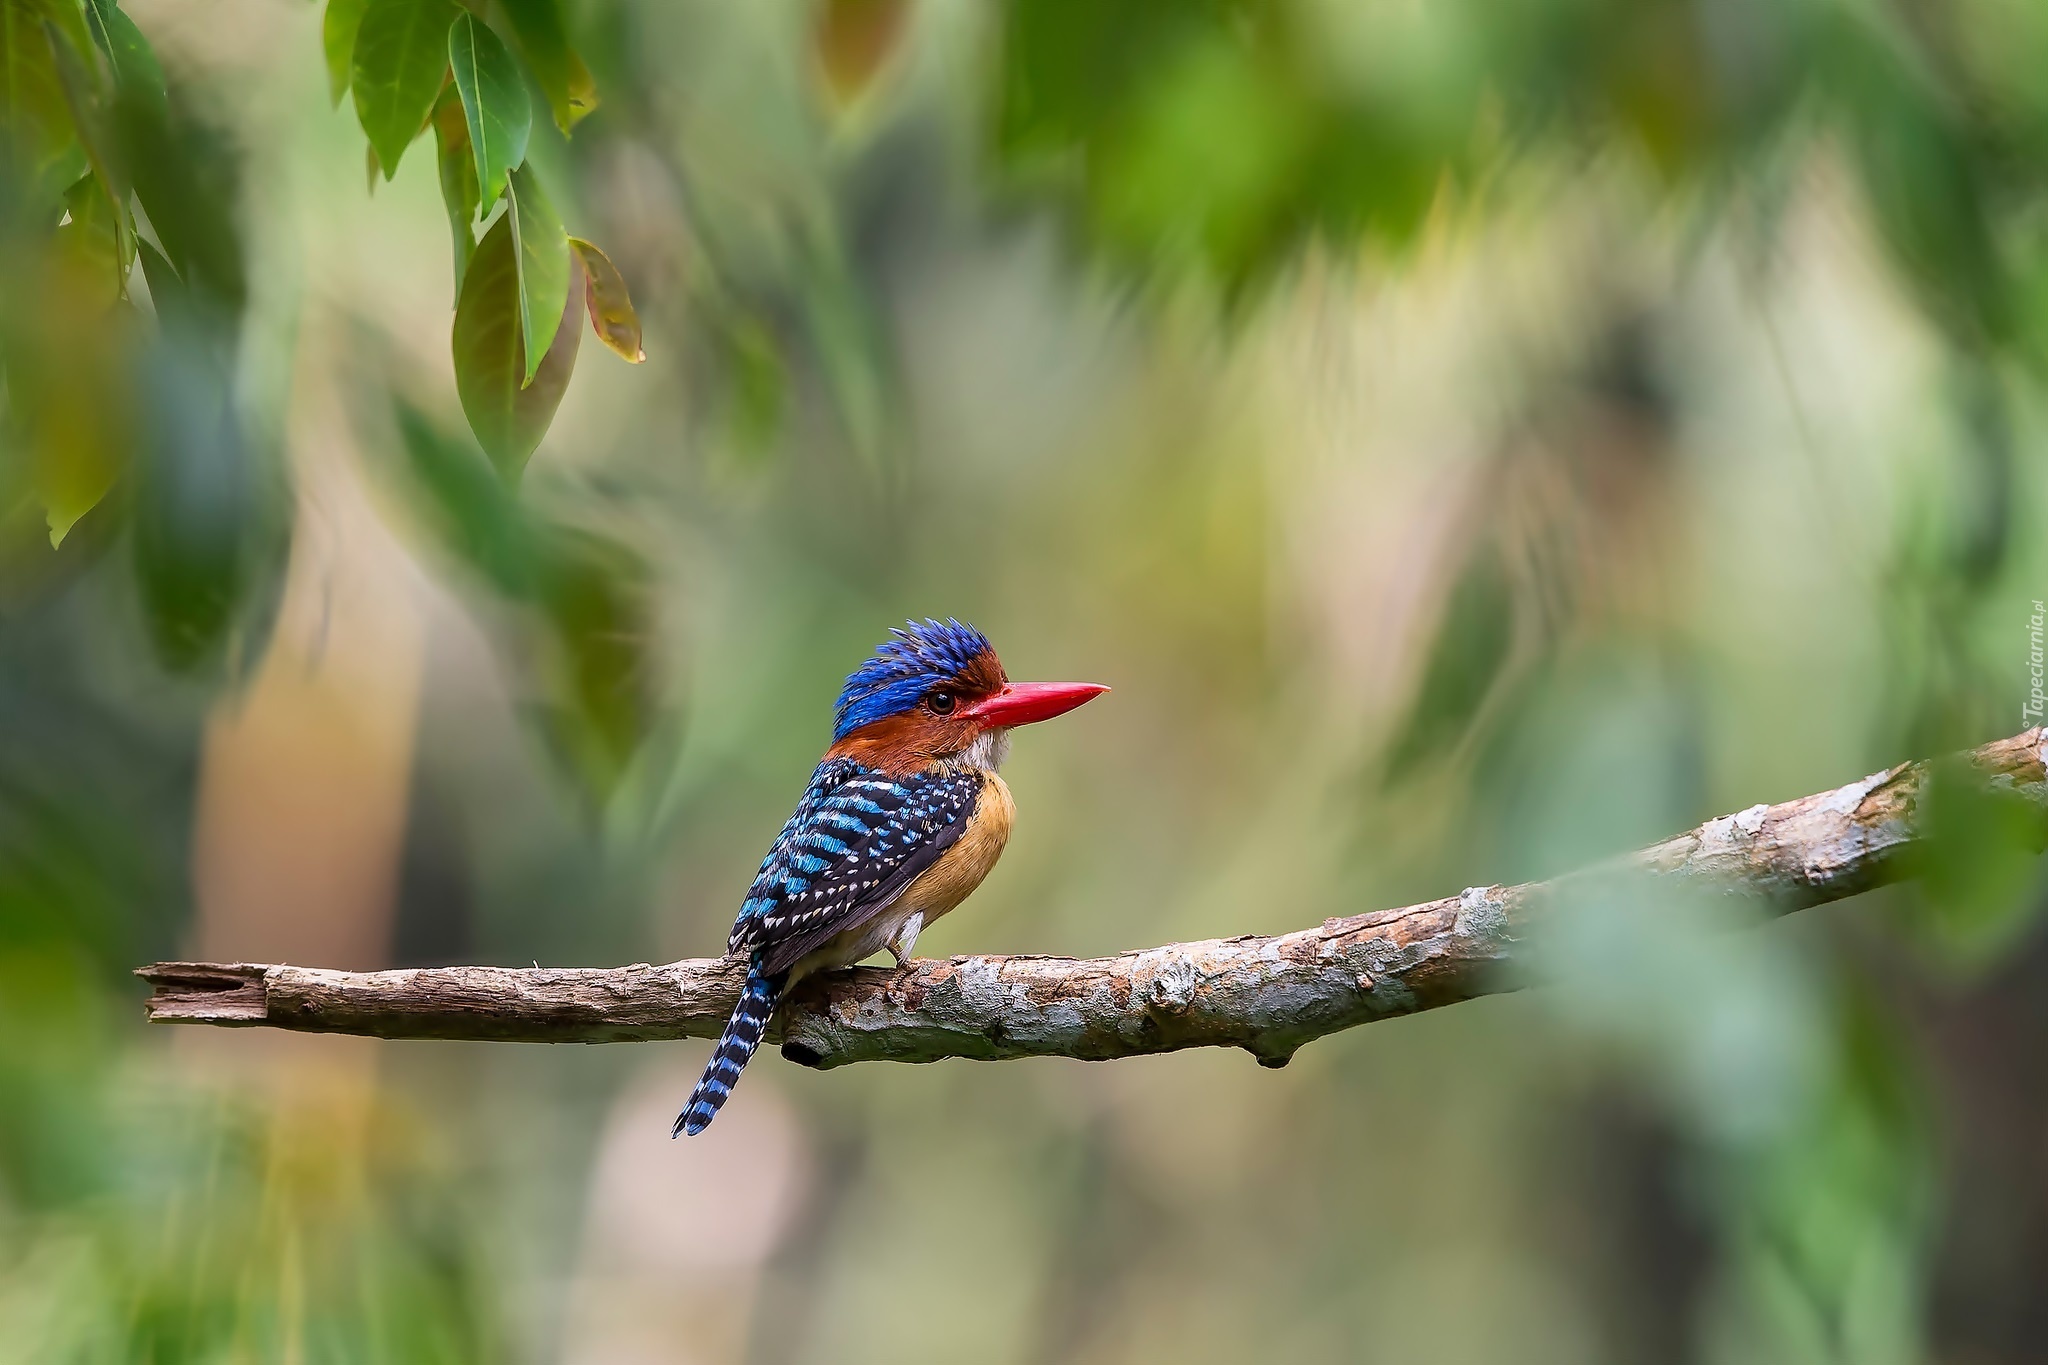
{"points": [[69, 489], [67, 377], [610, 306], [854, 40], [75, 470], [508, 413], [78, 422]]}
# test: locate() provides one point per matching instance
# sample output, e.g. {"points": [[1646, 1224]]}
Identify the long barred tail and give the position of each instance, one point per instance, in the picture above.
{"points": [[742, 1035]]}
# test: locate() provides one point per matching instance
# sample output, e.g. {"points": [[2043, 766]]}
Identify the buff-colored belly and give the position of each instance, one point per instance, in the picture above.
{"points": [[959, 870], [936, 890]]}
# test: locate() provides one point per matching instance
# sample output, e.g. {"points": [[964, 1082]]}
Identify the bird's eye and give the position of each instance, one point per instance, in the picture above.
{"points": [[940, 703]]}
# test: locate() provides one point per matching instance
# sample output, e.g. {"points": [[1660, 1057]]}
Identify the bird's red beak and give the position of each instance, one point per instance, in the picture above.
{"points": [[1023, 703]]}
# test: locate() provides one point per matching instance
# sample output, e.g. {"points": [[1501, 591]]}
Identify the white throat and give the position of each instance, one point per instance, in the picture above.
{"points": [[987, 752]]}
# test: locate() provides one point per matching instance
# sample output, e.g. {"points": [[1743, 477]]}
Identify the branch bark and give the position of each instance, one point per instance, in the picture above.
{"points": [[1267, 995]]}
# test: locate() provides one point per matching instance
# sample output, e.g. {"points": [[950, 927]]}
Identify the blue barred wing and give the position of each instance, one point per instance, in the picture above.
{"points": [[857, 839]]}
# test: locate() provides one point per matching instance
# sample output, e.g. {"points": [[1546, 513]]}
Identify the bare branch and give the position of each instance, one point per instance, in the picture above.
{"points": [[1266, 995]]}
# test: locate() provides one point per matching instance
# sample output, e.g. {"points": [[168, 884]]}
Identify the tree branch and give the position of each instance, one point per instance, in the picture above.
{"points": [[1266, 995]]}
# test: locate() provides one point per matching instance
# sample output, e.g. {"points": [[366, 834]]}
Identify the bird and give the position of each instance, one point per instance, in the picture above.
{"points": [[901, 820]]}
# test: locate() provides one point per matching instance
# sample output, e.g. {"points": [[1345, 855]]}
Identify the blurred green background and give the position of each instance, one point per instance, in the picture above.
{"points": [[1471, 439]]}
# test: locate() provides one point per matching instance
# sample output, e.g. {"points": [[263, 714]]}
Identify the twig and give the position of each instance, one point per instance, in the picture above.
{"points": [[1265, 995]]}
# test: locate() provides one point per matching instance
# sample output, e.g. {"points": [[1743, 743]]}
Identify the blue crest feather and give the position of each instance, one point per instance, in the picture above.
{"points": [[916, 659]]}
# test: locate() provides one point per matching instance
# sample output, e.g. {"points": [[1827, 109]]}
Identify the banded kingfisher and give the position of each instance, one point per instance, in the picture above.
{"points": [[902, 819]]}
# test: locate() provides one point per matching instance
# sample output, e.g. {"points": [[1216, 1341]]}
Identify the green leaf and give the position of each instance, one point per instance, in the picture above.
{"points": [[90, 208], [610, 306], [67, 17], [185, 183], [458, 179], [543, 265], [1977, 867], [508, 414], [338, 29], [401, 56], [82, 439], [758, 391], [193, 508], [1465, 664], [594, 594], [493, 101], [67, 399], [68, 493], [585, 628], [537, 24], [97, 241], [137, 73], [35, 121], [90, 99], [845, 334], [166, 290], [474, 513]]}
